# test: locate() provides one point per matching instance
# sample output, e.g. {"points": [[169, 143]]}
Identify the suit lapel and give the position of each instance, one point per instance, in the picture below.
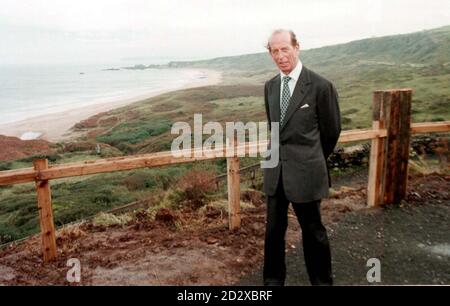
{"points": [[301, 90], [274, 99]]}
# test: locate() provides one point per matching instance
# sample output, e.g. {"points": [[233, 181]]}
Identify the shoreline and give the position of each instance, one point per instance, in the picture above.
{"points": [[55, 127]]}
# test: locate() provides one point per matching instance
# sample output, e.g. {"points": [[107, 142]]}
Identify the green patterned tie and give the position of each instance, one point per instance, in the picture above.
{"points": [[285, 97]]}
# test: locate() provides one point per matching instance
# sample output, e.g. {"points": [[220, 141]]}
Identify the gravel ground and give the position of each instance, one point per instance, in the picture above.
{"points": [[411, 240]]}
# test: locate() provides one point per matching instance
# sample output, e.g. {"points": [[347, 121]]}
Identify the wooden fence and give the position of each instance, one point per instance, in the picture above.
{"points": [[388, 165]]}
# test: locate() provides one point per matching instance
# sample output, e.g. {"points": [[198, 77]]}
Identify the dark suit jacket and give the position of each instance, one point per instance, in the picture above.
{"points": [[308, 136]]}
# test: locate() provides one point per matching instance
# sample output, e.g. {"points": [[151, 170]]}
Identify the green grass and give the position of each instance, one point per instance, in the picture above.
{"points": [[80, 197], [129, 133]]}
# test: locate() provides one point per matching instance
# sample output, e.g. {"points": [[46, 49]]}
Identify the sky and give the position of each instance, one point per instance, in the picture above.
{"points": [[147, 31]]}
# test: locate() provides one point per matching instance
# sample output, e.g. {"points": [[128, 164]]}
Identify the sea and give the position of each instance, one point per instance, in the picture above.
{"points": [[32, 90]]}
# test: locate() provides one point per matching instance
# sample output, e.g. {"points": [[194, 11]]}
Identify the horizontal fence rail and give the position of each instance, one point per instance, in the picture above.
{"points": [[25, 175]]}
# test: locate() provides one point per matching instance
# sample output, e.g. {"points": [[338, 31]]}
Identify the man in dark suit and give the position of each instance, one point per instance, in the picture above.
{"points": [[306, 106]]}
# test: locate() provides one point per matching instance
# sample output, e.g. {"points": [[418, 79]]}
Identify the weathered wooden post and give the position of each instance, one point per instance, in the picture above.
{"points": [[398, 118], [234, 189], [388, 172], [45, 212], [376, 152]]}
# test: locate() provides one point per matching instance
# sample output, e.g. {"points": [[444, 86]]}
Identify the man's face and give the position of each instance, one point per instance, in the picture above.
{"points": [[283, 53]]}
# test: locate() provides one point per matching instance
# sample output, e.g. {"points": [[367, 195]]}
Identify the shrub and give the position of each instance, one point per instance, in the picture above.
{"points": [[133, 133], [5, 166], [9, 233], [108, 196], [193, 189], [139, 181], [50, 157], [435, 119], [107, 219]]}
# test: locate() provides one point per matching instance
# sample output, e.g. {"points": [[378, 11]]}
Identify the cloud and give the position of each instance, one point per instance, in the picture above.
{"points": [[90, 30]]}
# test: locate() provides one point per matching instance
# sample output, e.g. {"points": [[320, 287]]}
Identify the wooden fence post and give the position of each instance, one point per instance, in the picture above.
{"points": [[45, 212], [398, 125], [374, 185], [234, 189], [388, 172]]}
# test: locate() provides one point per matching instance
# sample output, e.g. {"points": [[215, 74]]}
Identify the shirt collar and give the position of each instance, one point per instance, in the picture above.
{"points": [[295, 74]]}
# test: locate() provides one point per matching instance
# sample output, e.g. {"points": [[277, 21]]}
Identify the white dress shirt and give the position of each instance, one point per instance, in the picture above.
{"points": [[295, 74]]}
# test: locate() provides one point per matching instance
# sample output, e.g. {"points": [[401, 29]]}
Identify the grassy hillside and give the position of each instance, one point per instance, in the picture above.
{"points": [[420, 61], [429, 47]]}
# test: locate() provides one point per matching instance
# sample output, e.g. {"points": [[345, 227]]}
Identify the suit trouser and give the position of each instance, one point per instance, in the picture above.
{"points": [[316, 247]]}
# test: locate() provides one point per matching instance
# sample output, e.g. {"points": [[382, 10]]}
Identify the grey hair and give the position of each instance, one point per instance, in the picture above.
{"points": [[294, 41]]}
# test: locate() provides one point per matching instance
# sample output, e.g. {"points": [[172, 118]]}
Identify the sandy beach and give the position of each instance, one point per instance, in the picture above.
{"points": [[55, 127]]}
